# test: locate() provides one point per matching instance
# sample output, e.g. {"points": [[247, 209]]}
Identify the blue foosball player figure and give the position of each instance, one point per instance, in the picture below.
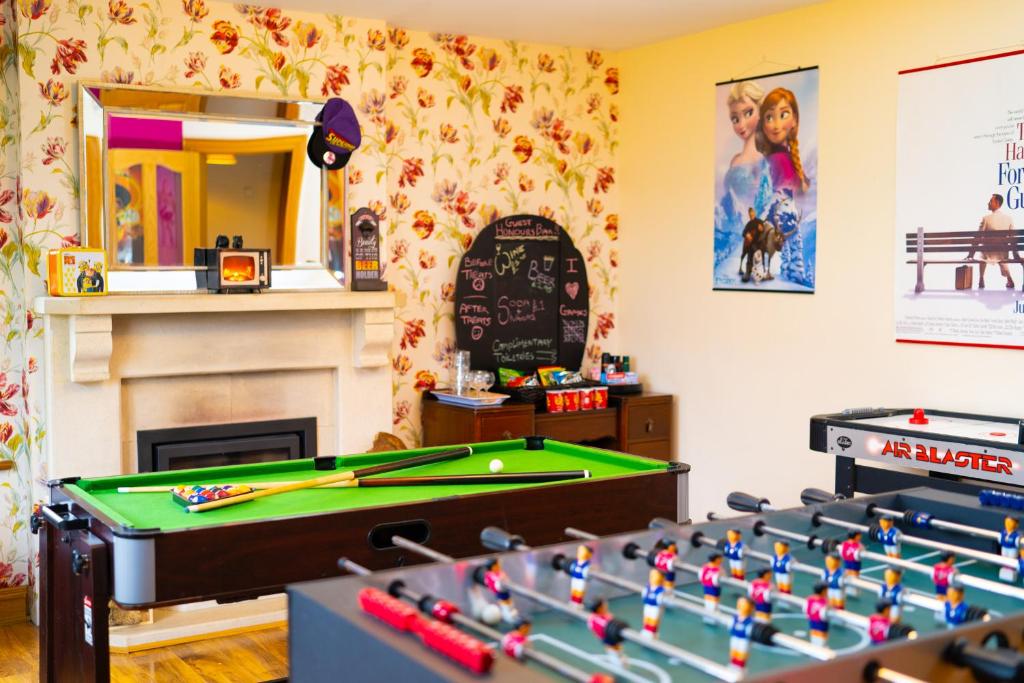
{"points": [[892, 590], [739, 633], [959, 612], [733, 551]]}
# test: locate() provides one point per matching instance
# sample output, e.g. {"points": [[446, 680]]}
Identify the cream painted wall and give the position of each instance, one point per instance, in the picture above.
{"points": [[749, 369]]}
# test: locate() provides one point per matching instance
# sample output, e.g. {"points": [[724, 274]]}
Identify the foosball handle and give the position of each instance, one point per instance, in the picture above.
{"points": [[744, 502], [1000, 664], [496, 538], [661, 523], [812, 496]]}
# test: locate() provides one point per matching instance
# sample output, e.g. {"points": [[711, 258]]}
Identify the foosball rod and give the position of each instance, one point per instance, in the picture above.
{"points": [[911, 595], [420, 600], [691, 659], [920, 520], [819, 518], [778, 638], [846, 617], [744, 502]]}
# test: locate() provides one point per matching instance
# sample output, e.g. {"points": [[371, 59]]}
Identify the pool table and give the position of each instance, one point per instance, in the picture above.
{"points": [[144, 550]]}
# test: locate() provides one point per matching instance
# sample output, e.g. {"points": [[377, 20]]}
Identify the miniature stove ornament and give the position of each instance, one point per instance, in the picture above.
{"points": [[225, 269]]}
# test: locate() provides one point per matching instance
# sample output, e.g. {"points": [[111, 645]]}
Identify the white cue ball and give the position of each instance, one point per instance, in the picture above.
{"points": [[496, 466], [490, 615]]}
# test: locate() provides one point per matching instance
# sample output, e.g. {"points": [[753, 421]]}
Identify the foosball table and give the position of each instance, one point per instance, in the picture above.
{"points": [[914, 585]]}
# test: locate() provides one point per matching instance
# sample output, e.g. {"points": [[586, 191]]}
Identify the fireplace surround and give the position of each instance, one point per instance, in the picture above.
{"points": [[234, 443]]}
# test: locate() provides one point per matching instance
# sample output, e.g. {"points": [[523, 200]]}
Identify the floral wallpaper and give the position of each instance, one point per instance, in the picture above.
{"points": [[457, 132], [16, 428], [469, 130]]}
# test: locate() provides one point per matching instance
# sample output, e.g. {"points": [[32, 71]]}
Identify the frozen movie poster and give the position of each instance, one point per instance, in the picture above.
{"points": [[960, 203], [766, 182]]}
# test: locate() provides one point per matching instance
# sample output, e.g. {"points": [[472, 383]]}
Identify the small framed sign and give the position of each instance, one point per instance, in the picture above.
{"points": [[366, 276]]}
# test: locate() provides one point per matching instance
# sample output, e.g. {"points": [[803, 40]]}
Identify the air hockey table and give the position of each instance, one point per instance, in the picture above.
{"points": [[954, 451]]}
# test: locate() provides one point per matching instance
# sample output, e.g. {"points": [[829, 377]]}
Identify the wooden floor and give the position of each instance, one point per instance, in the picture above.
{"points": [[245, 658]]}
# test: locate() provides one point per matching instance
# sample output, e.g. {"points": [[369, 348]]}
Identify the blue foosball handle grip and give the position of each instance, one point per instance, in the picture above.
{"points": [[1004, 499]]}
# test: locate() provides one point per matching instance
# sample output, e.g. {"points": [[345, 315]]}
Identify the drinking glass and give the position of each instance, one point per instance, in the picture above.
{"points": [[460, 372], [486, 380]]}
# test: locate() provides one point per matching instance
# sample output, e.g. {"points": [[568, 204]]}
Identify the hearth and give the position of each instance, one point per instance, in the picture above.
{"points": [[226, 444]]}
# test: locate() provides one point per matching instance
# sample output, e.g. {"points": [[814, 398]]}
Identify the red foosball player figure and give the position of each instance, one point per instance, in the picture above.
{"points": [[892, 590], [579, 569], [665, 561], [513, 643], [958, 612], [654, 603], [882, 628], [710, 577], [739, 633], [879, 623], [608, 629], [1009, 546], [834, 579], [494, 580], [781, 567], [733, 551], [760, 593], [817, 615], [944, 575], [851, 550], [888, 535]]}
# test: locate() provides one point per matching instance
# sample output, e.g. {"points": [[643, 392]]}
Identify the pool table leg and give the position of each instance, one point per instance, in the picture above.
{"points": [[74, 595]]}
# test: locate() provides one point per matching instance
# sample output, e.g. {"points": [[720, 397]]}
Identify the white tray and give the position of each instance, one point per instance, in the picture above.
{"points": [[471, 400]]}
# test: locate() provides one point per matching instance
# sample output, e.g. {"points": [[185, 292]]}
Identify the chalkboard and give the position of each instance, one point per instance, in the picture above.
{"points": [[521, 296]]}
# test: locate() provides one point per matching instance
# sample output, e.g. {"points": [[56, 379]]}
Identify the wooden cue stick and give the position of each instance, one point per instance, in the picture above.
{"points": [[440, 456], [454, 479]]}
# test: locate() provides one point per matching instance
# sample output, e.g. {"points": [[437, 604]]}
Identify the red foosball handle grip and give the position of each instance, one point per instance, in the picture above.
{"points": [[440, 637]]}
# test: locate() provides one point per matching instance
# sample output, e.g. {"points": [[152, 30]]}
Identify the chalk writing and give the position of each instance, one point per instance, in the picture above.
{"points": [[509, 260], [539, 280], [574, 331]]}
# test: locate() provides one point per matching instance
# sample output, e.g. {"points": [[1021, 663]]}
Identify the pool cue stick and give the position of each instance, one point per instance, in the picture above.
{"points": [[402, 591], [433, 480], [492, 539], [441, 456], [911, 596], [741, 503], [692, 659]]}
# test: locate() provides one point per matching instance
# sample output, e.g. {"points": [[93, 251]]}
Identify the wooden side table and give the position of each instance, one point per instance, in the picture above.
{"points": [[645, 424], [639, 423]]}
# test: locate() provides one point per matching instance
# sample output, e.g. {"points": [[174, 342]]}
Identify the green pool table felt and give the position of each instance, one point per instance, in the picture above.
{"points": [[159, 511]]}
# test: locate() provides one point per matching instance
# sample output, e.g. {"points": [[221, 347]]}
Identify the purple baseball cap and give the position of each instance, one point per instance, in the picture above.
{"points": [[336, 135]]}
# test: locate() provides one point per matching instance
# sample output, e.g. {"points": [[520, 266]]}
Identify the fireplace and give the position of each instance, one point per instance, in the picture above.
{"points": [[218, 445]]}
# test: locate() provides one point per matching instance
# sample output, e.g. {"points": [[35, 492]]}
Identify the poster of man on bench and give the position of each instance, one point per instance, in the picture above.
{"points": [[959, 264]]}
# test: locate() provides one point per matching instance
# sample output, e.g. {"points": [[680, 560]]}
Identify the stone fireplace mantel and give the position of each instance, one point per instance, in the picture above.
{"points": [[120, 363], [90, 320]]}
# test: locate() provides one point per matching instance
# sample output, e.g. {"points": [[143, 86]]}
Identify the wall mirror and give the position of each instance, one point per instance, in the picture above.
{"points": [[164, 171]]}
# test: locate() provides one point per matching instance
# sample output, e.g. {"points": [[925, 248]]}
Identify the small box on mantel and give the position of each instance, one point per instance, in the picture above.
{"points": [[77, 271]]}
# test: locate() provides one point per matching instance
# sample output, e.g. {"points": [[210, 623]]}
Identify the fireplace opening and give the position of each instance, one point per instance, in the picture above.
{"points": [[236, 443]]}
